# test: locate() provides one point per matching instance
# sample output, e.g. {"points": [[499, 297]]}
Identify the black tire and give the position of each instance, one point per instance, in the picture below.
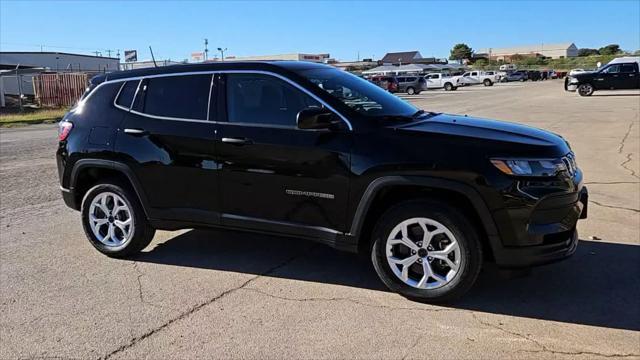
{"points": [[142, 232], [522, 80], [448, 86], [411, 90], [586, 89], [487, 82], [457, 223]]}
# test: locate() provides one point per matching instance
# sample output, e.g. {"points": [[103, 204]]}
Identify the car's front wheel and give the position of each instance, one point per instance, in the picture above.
{"points": [[448, 86], [114, 221], [585, 89], [426, 250], [487, 82]]}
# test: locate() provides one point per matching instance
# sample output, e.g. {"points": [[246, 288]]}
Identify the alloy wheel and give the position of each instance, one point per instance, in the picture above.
{"points": [[423, 253], [110, 219]]}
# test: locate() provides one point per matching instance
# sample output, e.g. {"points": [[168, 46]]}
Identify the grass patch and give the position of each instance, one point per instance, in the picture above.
{"points": [[31, 116]]}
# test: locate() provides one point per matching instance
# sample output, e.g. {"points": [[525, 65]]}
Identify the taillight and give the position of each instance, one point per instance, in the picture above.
{"points": [[64, 129]]}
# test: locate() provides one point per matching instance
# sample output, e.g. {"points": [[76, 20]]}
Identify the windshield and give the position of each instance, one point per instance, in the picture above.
{"points": [[359, 94]]}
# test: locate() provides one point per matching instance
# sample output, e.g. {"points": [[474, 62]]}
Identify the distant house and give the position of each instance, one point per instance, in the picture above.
{"points": [[554, 51], [399, 58]]}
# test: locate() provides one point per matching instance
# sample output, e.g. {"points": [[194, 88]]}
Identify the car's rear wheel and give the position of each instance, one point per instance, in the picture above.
{"points": [[448, 86], [114, 221], [426, 250], [487, 82], [411, 90], [585, 89]]}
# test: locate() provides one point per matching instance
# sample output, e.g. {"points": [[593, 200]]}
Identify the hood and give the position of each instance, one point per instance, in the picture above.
{"points": [[489, 130]]}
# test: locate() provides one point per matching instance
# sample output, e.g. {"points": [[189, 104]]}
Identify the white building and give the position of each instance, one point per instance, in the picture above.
{"points": [[294, 56], [554, 51], [57, 61]]}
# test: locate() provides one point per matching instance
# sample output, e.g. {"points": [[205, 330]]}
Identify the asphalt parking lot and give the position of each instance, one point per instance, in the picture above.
{"points": [[215, 294]]}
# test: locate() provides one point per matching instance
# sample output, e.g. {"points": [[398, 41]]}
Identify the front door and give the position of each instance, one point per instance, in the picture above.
{"points": [[274, 176], [169, 144]]}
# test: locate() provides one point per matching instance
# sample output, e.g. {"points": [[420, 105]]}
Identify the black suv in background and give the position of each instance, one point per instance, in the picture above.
{"points": [[620, 74], [308, 151]]}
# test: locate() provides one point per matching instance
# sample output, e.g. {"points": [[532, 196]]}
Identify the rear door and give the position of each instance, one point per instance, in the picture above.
{"points": [[629, 76], [168, 142], [274, 176]]}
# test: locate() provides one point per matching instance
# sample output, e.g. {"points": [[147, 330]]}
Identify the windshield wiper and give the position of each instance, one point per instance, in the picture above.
{"points": [[418, 113]]}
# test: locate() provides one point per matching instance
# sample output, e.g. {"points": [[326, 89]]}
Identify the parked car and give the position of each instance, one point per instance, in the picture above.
{"points": [[515, 76], [442, 81], [478, 77], [534, 75], [617, 75], [389, 83], [508, 67], [411, 84], [312, 152]]}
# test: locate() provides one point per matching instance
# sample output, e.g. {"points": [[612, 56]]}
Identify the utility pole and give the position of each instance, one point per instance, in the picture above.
{"points": [[206, 49], [109, 52], [222, 52]]}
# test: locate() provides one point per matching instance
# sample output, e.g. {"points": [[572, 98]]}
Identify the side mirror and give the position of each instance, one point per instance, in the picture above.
{"points": [[316, 118]]}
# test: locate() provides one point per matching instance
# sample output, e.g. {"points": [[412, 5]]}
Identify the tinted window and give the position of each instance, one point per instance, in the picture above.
{"points": [[177, 96], [126, 93], [627, 68], [264, 99], [411, 79], [613, 69]]}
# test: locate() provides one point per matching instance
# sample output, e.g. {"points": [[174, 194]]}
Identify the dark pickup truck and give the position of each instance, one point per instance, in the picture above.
{"points": [[619, 74]]}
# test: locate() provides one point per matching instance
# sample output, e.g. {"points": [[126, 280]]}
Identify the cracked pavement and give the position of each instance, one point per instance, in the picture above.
{"points": [[220, 294]]}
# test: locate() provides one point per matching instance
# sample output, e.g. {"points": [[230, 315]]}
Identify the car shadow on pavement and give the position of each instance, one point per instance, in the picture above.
{"points": [[598, 286]]}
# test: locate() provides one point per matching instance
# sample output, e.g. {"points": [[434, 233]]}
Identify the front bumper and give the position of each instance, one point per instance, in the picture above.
{"points": [[542, 230]]}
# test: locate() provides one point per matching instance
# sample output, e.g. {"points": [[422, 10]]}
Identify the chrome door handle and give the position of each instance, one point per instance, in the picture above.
{"points": [[237, 141], [135, 131]]}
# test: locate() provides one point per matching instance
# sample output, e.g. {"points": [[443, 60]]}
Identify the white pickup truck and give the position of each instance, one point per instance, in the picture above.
{"points": [[440, 81], [487, 78]]}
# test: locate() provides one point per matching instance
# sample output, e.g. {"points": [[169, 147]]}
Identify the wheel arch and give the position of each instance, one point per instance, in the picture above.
{"points": [[387, 191], [88, 172]]}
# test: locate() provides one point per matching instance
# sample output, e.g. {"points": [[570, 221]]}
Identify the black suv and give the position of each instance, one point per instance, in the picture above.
{"points": [[308, 151]]}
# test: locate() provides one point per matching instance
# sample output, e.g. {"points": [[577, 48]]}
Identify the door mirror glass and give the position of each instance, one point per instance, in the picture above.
{"points": [[316, 118]]}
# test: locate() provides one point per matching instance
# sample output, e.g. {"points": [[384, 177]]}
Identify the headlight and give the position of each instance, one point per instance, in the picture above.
{"points": [[573, 80], [530, 167]]}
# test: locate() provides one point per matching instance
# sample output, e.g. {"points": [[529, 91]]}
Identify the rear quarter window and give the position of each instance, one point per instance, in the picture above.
{"points": [[127, 92]]}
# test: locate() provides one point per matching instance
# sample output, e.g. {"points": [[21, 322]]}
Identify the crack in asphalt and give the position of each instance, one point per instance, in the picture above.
{"points": [[629, 155], [614, 207], [354, 301], [134, 341], [415, 344], [543, 348], [140, 274]]}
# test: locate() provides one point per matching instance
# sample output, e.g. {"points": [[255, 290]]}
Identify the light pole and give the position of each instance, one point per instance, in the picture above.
{"points": [[222, 52]]}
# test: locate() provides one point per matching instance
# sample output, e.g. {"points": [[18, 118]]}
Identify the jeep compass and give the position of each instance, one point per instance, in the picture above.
{"points": [[312, 152]]}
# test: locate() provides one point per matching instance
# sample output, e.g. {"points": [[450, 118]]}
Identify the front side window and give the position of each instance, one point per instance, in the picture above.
{"points": [[264, 99], [613, 69], [358, 94], [127, 92], [183, 96]]}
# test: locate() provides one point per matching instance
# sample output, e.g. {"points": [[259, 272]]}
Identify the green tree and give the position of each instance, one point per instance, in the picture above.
{"points": [[461, 52], [610, 49], [587, 52], [480, 64], [516, 58]]}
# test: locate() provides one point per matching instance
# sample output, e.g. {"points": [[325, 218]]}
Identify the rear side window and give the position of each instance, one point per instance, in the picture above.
{"points": [[627, 68], [263, 99], [183, 96], [127, 92]]}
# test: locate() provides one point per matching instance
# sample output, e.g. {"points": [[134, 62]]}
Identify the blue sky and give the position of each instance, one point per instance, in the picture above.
{"points": [[372, 28]]}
